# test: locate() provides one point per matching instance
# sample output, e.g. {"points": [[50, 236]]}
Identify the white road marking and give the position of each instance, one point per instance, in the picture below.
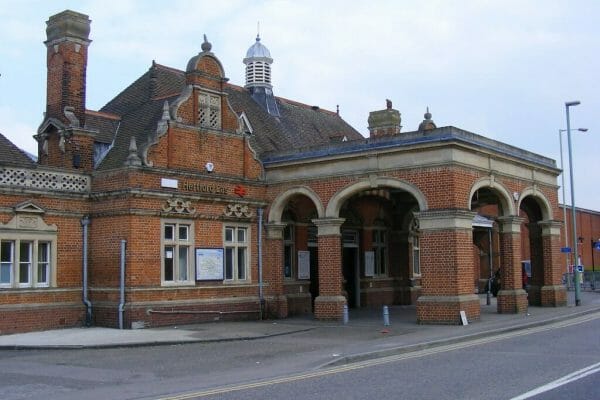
{"points": [[384, 360], [582, 373]]}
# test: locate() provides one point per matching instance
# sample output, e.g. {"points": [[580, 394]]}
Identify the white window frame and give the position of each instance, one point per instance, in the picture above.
{"points": [[16, 241], [209, 110], [177, 243], [232, 249], [380, 250], [289, 250], [415, 254]]}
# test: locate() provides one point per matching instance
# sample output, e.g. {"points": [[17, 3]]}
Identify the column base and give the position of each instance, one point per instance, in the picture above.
{"points": [[445, 310], [329, 308], [513, 301], [553, 296]]}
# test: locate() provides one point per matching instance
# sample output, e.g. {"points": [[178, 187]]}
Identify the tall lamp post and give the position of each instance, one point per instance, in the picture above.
{"points": [[573, 219], [564, 199]]}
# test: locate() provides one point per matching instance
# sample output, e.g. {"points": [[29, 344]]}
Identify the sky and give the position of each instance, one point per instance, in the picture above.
{"points": [[501, 69]]}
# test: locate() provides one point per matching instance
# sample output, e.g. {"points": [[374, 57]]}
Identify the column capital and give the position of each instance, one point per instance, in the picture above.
{"points": [[275, 230], [328, 226], [445, 219], [550, 227], [510, 224]]}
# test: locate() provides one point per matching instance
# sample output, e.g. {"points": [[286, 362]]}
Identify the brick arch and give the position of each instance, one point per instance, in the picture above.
{"points": [[508, 206], [338, 199], [278, 205], [540, 199]]}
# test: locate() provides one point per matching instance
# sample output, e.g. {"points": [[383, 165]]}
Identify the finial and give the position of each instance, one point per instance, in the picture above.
{"points": [[427, 114], [258, 31], [388, 104], [206, 46], [337, 109]]}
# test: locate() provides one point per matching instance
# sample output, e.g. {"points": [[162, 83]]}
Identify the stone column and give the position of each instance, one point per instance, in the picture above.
{"points": [[329, 305], [512, 298], [273, 262], [553, 292], [446, 267]]}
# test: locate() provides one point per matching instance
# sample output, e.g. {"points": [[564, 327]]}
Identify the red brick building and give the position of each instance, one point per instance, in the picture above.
{"points": [[187, 198]]}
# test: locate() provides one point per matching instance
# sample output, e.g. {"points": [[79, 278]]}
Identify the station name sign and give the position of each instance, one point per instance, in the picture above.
{"points": [[203, 188], [198, 187]]}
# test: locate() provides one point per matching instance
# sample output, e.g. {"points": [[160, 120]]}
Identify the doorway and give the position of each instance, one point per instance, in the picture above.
{"points": [[351, 266]]}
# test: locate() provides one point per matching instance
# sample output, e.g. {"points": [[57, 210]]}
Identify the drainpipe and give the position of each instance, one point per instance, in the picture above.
{"points": [[260, 277], [88, 311], [122, 284]]}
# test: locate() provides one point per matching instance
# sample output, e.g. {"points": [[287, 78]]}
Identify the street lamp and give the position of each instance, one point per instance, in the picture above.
{"points": [[560, 131], [573, 219]]}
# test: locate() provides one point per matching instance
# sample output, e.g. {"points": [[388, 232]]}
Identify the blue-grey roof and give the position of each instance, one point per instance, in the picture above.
{"points": [[258, 50], [438, 135]]}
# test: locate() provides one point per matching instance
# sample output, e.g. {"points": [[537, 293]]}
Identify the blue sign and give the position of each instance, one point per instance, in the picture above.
{"points": [[597, 245], [565, 249], [580, 268]]}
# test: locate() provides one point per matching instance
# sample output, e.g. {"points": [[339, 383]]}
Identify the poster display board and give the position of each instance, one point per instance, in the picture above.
{"points": [[209, 264], [369, 263], [303, 264]]}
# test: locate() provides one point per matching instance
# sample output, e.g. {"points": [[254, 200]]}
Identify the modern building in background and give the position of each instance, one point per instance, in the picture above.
{"points": [[187, 199]]}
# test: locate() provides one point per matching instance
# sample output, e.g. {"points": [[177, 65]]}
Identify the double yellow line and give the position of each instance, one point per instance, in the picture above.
{"points": [[384, 360]]}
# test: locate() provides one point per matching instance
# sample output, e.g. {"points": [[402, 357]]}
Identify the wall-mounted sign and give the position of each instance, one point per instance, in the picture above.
{"points": [[209, 264], [369, 263], [240, 190], [303, 264], [203, 188]]}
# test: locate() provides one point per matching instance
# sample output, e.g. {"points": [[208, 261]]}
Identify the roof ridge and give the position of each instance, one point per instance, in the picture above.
{"points": [[304, 105], [155, 64], [286, 100], [103, 114]]}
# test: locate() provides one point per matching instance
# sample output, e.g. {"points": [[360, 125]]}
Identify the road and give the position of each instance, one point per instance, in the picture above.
{"points": [[503, 366]]}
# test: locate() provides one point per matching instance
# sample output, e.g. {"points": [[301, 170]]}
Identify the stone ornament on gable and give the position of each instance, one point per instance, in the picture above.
{"points": [[178, 206], [238, 210]]}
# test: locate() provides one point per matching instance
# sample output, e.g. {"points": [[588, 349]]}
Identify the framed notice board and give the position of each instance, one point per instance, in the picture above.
{"points": [[209, 264]]}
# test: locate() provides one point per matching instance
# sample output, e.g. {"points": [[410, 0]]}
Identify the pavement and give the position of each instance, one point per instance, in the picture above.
{"points": [[364, 330]]}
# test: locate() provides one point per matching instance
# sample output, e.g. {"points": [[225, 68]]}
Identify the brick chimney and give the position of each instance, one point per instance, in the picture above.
{"points": [[67, 45], [384, 122]]}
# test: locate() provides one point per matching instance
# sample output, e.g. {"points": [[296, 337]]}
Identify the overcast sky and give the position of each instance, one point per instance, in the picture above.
{"points": [[502, 69]]}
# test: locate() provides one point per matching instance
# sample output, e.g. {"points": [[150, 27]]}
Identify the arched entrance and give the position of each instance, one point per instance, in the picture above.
{"points": [[291, 215], [379, 242], [537, 259]]}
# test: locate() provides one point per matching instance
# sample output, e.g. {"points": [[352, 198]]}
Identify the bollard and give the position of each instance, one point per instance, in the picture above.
{"points": [[345, 315], [386, 316]]}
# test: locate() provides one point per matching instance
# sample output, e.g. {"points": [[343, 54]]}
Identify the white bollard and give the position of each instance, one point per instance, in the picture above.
{"points": [[345, 314], [386, 316]]}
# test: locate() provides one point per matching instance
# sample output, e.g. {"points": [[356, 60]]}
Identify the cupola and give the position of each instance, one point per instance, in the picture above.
{"points": [[258, 77]]}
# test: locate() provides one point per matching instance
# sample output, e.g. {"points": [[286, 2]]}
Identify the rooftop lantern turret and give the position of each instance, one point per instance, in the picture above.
{"points": [[258, 76]]}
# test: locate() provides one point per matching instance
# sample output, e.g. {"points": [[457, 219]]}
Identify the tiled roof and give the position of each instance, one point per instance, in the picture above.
{"points": [[12, 155], [105, 125], [140, 107]]}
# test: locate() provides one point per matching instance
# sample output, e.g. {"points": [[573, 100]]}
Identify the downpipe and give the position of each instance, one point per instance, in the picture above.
{"points": [[88, 304], [261, 298], [122, 284]]}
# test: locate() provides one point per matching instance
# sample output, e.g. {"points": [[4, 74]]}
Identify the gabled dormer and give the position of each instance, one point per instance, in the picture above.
{"points": [[203, 102]]}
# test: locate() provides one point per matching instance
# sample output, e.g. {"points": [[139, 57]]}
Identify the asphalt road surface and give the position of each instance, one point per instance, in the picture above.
{"points": [[550, 362]]}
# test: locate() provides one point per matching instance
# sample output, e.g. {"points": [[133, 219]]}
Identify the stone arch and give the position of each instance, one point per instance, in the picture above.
{"points": [[338, 199], [506, 199], [278, 205], [540, 199]]}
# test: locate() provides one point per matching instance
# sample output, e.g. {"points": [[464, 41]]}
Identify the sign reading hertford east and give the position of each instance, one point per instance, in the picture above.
{"points": [[198, 187], [203, 188]]}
